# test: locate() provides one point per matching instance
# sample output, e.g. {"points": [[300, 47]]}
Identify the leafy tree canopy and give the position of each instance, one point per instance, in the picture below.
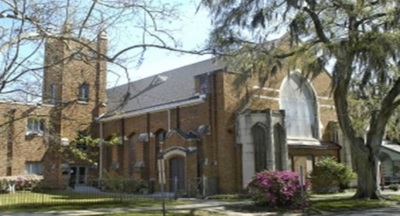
{"points": [[359, 38]]}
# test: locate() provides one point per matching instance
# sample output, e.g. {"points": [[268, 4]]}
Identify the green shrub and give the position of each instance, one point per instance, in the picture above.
{"points": [[394, 187], [278, 189], [114, 182], [330, 173]]}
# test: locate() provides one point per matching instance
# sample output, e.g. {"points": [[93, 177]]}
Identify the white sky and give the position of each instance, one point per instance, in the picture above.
{"points": [[193, 34]]}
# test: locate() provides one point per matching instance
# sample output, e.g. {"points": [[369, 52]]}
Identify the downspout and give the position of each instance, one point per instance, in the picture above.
{"points": [[122, 145], [10, 143], [146, 149], [178, 124], [169, 119], [214, 111], [101, 150]]}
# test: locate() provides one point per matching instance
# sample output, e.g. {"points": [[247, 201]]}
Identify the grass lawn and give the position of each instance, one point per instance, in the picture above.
{"points": [[324, 203], [154, 213], [27, 201], [339, 203]]}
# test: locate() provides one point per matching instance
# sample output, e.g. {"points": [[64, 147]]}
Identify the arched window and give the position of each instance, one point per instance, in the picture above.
{"points": [[258, 132], [298, 100], [83, 92]]}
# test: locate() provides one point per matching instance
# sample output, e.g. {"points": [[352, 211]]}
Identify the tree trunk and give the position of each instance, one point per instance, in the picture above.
{"points": [[366, 165]]}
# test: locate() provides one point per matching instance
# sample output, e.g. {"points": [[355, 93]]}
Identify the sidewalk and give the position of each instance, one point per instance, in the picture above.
{"points": [[204, 207], [201, 205]]}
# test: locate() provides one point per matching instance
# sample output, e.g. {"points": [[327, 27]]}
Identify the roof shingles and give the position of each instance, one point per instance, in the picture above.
{"points": [[176, 85]]}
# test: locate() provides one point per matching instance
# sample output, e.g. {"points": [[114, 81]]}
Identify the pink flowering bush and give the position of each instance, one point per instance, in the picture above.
{"points": [[23, 182], [278, 189]]}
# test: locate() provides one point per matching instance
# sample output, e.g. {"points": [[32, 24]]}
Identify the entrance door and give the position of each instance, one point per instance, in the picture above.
{"points": [[177, 173], [78, 174]]}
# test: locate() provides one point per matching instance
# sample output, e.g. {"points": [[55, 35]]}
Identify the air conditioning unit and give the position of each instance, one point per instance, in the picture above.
{"points": [[64, 141], [114, 165], [139, 164]]}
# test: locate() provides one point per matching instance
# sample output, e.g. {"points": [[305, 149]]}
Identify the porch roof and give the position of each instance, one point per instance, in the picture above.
{"points": [[312, 144], [392, 149]]}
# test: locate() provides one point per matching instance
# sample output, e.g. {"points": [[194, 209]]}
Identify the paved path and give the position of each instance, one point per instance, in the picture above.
{"points": [[212, 207], [203, 204]]}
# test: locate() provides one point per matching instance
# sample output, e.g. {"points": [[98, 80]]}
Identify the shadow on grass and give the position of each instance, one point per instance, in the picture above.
{"points": [[57, 200], [250, 208], [33, 207], [65, 194], [334, 204], [77, 206], [344, 204]]}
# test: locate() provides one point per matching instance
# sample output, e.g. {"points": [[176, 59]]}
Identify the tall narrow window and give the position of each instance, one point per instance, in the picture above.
{"points": [[279, 141], [258, 132], [35, 126], [53, 94], [298, 100], [83, 94]]}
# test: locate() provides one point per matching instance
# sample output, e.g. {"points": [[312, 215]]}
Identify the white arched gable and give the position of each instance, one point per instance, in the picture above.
{"points": [[297, 98], [174, 151]]}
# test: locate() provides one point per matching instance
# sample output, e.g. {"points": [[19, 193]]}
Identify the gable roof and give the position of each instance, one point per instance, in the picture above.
{"points": [[190, 135], [172, 86]]}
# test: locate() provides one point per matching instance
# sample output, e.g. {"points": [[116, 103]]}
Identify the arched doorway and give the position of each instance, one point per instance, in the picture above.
{"points": [[177, 173]]}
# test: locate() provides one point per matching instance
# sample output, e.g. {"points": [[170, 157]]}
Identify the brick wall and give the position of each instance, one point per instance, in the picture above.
{"points": [[16, 147]]}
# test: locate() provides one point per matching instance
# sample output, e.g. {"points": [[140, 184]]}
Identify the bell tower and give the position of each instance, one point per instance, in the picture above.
{"points": [[74, 81], [74, 86]]}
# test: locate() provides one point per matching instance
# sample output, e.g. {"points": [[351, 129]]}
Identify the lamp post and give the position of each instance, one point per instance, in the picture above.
{"points": [[100, 154], [161, 175]]}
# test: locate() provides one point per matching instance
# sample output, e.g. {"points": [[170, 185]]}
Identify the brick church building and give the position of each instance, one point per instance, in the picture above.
{"points": [[185, 124], [35, 138], [202, 127]]}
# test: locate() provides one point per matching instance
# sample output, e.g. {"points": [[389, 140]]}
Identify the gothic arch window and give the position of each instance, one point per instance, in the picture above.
{"points": [[298, 100], [258, 132], [83, 92]]}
